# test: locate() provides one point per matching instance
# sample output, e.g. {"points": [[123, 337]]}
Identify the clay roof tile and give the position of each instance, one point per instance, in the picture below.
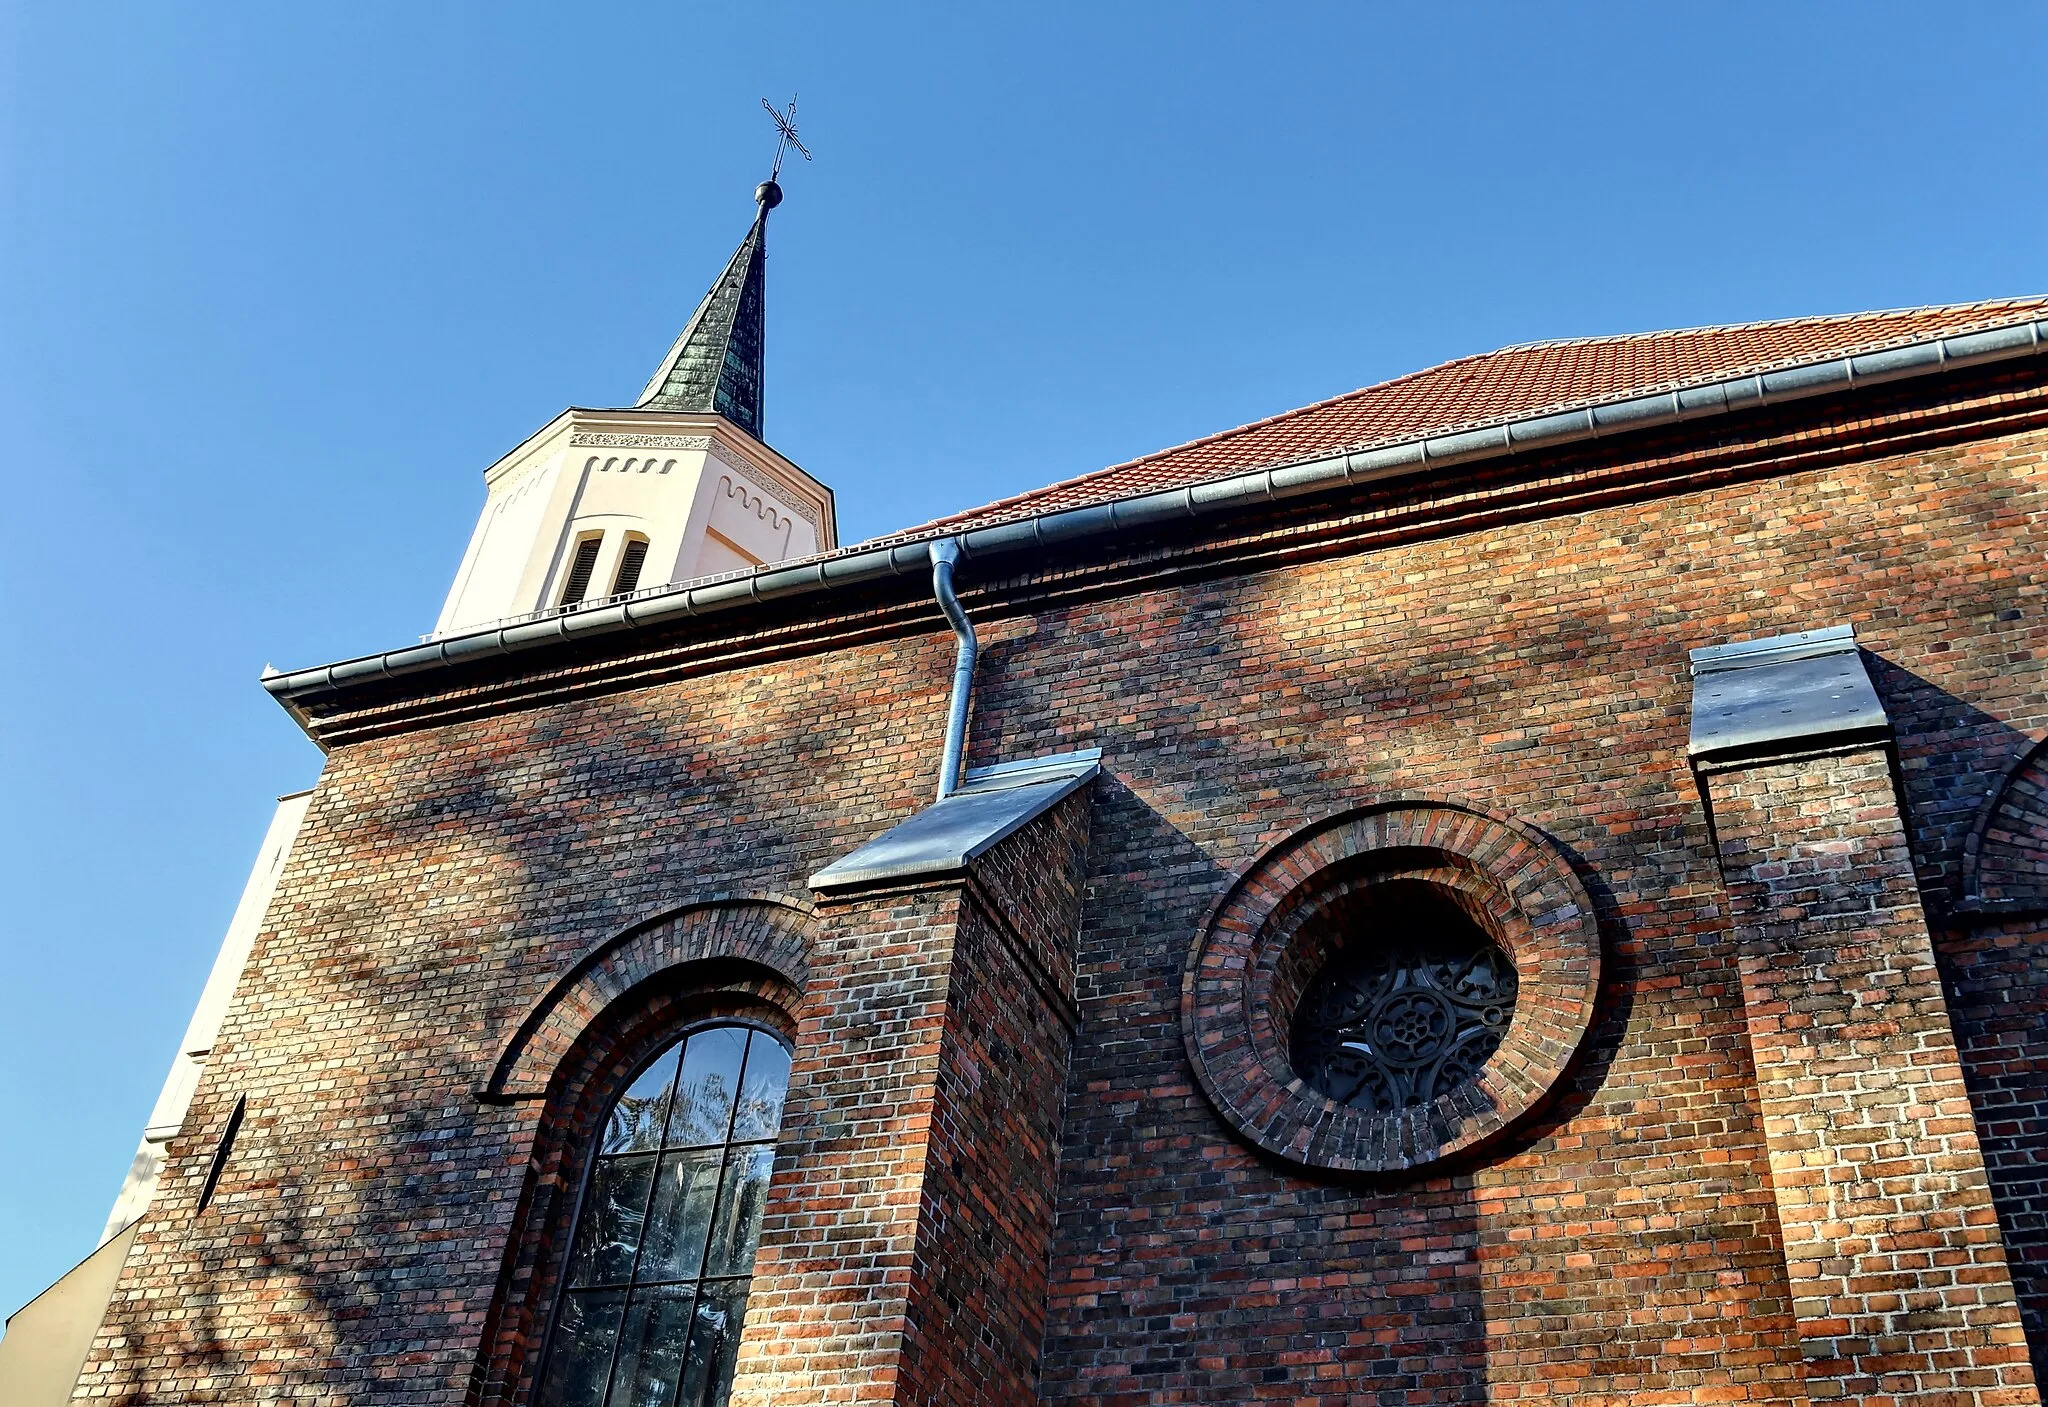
{"points": [[1534, 378]]}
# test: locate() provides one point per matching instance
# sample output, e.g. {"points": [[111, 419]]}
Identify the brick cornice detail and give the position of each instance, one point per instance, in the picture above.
{"points": [[1803, 438]]}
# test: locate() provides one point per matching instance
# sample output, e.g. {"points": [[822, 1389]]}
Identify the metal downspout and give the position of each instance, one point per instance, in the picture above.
{"points": [[944, 553]]}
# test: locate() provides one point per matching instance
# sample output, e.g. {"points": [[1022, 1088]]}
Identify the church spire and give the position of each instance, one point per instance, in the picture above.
{"points": [[715, 366]]}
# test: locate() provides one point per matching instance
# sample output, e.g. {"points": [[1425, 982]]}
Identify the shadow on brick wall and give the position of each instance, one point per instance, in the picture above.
{"points": [[1994, 971], [265, 1249], [1952, 755], [1185, 1267]]}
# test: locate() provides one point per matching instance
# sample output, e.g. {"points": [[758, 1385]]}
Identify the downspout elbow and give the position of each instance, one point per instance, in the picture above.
{"points": [[945, 553]]}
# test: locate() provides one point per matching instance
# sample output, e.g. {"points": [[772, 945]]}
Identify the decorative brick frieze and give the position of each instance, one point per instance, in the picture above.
{"points": [[1899, 1280]]}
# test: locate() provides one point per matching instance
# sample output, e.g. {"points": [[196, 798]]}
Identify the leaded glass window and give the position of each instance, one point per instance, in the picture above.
{"points": [[663, 1249]]}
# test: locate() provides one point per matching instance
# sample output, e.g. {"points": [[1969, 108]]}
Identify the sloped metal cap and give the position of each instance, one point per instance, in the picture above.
{"points": [[992, 804], [1782, 694]]}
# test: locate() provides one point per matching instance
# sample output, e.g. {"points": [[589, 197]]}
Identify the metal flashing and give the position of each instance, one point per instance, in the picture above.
{"points": [[1747, 654], [1026, 769], [1783, 695], [939, 842]]}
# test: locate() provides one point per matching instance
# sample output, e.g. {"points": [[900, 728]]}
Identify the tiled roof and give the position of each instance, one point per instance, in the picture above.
{"points": [[1533, 379]]}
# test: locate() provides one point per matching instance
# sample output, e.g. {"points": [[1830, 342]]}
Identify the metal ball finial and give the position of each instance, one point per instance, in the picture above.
{"points": [[768, 195]]}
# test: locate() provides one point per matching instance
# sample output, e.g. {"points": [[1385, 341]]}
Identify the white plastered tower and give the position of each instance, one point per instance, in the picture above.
{"points": [[604, 503]]}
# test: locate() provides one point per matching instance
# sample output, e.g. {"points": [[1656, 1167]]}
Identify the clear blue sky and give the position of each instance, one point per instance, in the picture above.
{"points": [[277, 283]]}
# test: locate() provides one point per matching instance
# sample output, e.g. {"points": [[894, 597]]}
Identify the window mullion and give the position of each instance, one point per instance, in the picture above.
{"points": [[659, 1155], [724, 1164], [611, 1366]]}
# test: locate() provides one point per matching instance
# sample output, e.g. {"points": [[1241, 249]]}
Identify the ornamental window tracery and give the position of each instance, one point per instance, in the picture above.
{"points": [[663, 1247], [1413, 1001]]}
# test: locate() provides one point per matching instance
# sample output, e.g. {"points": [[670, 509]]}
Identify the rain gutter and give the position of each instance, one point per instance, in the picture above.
{"points": [[1104, 520]]}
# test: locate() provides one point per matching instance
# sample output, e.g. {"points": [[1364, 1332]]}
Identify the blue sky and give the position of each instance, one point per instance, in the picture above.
{"points": [[277, 283]]}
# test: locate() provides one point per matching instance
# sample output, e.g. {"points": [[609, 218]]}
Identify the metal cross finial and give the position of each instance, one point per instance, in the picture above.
{"points": [[786, 124]]}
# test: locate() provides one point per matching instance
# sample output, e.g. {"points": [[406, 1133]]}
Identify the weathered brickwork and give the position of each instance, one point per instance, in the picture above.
{"points": [[1998, 988], [833, 1285], [1898, 1276], [1517, 642], [905, 1246], [740, 936], [977, 1304]]}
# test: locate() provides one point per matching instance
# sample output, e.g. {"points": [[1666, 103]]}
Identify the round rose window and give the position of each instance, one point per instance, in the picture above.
{"points": [[1391, 986], [1409, 1005]]}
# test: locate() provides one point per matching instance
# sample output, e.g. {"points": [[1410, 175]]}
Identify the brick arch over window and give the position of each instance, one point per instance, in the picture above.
{"points": [[758, 930], [2005, 860]]}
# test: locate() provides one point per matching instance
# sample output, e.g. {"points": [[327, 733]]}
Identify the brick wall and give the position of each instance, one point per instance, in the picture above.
{"points": [[977, 1318], [1998, 985], [904, 1249], [1517, 640], [833, 1284], [1897, 1270]]}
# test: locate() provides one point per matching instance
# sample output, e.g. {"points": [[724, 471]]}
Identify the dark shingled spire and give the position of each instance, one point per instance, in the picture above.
{"points": [[716, 364]]}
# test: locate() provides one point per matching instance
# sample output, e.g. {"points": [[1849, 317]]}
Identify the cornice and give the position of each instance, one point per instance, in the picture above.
{"points": [[1261, 536], [613, 440]]}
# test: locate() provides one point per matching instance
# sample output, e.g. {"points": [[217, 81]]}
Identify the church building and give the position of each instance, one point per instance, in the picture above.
{"points": [[1526, 881]]}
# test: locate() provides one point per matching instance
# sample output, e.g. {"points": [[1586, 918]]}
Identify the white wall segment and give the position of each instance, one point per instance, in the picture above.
{"points": [[706, 496], [167, 1119]]}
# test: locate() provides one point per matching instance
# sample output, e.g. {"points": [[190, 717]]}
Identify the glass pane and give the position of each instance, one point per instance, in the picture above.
{"points": [[637, 1118], [680, 1221], [613, 1215], [651, 1349], [581, 1354], [738, 1228], [714, 1344], [711, 1075], [761, 1089]]}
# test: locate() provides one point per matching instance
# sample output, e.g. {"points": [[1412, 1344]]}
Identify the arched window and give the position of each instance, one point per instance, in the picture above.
{"points": [[655, 1289]]}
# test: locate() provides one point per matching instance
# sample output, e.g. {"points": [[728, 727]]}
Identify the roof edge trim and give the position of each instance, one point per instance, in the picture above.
{"points": [[862, 564]]}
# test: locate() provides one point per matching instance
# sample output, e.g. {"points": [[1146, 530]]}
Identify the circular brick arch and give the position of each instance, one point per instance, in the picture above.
{"points": [[761, 930], [2005, 859], [1248, 966]]}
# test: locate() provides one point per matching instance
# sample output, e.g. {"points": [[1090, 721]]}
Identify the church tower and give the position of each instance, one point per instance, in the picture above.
{"points": [[601, 504], [595, 505]]}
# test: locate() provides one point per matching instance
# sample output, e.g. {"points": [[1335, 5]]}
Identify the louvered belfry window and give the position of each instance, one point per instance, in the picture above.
{"points": [[630, 562], [580, 567], [663, 1250]]}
